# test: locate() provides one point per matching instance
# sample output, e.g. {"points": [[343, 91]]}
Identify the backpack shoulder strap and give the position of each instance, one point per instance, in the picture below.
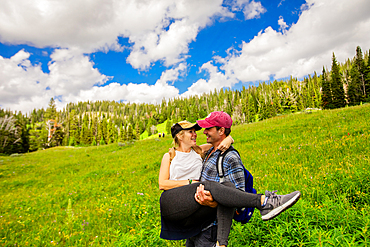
{"points": [[220, 162]]}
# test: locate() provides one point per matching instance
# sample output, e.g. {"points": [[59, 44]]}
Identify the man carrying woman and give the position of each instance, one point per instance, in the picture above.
{"points": [[188, 207]]}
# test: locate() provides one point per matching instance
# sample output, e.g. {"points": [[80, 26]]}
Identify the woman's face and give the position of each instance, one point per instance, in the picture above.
{"points": [[189, 137]]}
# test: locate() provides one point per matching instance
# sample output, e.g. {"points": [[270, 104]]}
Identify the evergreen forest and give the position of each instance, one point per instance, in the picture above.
{"points": [[103, 122]]}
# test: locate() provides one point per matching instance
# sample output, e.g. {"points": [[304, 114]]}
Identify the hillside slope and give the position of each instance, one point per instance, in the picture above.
{"points": [[109, 195]]}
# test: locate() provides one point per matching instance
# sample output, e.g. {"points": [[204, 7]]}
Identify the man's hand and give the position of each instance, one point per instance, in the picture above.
{"points": [[204, 197]]}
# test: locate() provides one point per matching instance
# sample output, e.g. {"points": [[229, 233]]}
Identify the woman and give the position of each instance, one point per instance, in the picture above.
{"points": [[182, 216]]}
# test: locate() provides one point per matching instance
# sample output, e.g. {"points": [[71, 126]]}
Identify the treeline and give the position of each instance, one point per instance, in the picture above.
{"points": [[104, 122]]}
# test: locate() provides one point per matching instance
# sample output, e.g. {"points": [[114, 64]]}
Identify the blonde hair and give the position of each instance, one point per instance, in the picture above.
{"points": [[176, 141], [176, 144]]}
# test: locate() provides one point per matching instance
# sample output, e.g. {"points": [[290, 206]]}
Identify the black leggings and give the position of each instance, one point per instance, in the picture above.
{"points": [[179, 205]]}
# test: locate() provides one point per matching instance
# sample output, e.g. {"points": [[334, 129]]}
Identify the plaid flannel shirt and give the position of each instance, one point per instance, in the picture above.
{"points": [[233, 168]]}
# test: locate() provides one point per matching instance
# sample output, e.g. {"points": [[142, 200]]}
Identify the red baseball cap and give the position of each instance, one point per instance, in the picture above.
{"points": [[216, 118]]}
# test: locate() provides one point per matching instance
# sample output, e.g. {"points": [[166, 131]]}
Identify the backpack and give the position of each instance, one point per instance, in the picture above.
{"points": [[242, 215]]}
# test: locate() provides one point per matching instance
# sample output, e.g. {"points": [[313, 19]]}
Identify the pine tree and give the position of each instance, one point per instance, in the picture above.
{"points": [[104, 129], [109, 132], [123, 134], [51, 111], [355, 93], [367, 78], [74, 129], [137, 132], [102, 142], [168, 126], [337, 85], [130, 135], [94, 128], [360, 64], [327, 99]]}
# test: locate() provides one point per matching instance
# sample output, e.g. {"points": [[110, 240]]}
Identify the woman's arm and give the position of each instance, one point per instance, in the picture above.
{"points": [[224, 145], [164, 176]]}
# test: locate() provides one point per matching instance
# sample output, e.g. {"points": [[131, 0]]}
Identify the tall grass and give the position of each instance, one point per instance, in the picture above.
{"points": [[109, 195]]}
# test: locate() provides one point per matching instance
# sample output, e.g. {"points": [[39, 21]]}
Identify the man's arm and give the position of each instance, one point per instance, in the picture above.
{"points": [[234, 171]]}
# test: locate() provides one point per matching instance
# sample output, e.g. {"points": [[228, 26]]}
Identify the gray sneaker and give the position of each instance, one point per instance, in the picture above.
{"points": [[277, 204]]}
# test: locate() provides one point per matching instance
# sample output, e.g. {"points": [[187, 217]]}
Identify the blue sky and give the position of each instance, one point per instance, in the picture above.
{"points": [[145, 51]]}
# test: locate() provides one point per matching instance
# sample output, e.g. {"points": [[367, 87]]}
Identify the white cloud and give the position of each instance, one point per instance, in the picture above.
{"points": [[158, 30], [25, 86], [282, 24], [251, 9], [132, 92], [169, 46], [70, 71], [324, 27], [72, 78], [20, 80], [137, 93], [217, 80], [173, 74], [162, 31]]}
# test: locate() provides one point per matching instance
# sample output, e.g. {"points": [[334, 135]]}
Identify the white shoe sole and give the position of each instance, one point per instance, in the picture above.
{"points": [[276, 211]]}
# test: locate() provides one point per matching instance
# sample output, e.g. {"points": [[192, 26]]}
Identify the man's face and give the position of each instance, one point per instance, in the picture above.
{"points": [[212, 134]]}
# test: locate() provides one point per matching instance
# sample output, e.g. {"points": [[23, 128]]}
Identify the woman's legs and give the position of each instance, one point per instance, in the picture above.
{"points": [[231, 197], [179, 203]]}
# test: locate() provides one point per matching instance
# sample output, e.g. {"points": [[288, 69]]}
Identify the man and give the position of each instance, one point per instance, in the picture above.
{"points": [[217, 127]]}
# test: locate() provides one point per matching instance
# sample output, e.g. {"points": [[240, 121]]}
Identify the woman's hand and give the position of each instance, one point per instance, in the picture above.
{"points": [[225, 144]]}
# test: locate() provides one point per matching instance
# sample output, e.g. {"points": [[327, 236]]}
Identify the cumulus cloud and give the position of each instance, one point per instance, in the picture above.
{"points": [[162, 31], [25, 86], [251, 9], [324, 27], [132, 92], [216, 80], [137, 93], [72, 78], [158, 30], [282, 24]]}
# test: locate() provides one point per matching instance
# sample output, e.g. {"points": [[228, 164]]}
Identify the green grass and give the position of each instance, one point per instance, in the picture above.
{"points": [[161, 128], [108, 195]]}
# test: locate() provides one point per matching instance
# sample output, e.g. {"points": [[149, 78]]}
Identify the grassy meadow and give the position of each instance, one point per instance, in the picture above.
{"points": [[108, 195]]}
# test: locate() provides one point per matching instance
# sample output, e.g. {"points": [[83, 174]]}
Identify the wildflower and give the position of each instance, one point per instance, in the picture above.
{"points": [[139, 193]]}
